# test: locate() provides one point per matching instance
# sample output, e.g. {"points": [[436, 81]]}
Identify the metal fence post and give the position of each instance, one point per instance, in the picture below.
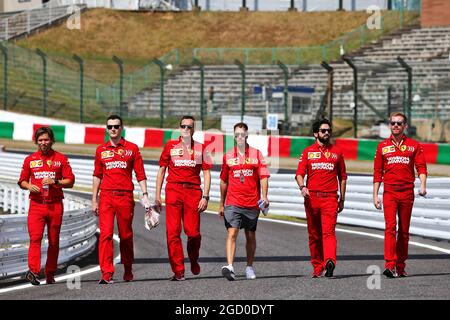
{"points": [[355, 95], [285, 70], [389, 100], [6, 28], [5, 76], [40, 53], [120, 64], [330, 72], [242, 68], [81, 63], [408, 70], [162, 68], [202, 88], [28, 22]]}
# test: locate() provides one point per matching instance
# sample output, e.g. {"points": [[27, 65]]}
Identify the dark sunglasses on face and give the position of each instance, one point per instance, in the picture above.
{"points": [[240, 134], [325, 130], [399, 123], [184, 126], [115, 126]]}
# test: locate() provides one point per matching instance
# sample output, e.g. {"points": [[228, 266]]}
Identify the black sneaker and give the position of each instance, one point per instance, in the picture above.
{"points": [[228, 272], [106, 280], [33, 278], [402, 274], [177, 278], [389, 273], [329, 267]]}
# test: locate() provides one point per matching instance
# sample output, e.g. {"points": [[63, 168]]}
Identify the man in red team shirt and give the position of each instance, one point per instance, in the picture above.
{"points": [[184, 158], [114, 163], [244, 174], [44, 174], [324, 164], [394, 163]]}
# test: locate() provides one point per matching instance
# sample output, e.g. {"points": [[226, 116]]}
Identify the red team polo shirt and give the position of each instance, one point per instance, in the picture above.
{"points": [[251, 168], [115, 165], [322, 165], [394, 165], [38, 166], [184, 166]]}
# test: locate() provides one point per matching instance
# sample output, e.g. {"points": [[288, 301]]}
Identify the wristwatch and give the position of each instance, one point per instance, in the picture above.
{"points": [[145, 194], [56, 182], [301, 187], [206, 197]]}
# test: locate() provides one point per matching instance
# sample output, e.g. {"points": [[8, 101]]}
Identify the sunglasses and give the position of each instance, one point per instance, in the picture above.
{"points": [[115, 126], [325, 130], [240, 134], [399, 123], [185, 126]]}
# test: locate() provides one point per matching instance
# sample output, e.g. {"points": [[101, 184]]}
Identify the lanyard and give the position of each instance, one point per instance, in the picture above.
{"points": [[397, 145], [325, 154], [241, 165]]}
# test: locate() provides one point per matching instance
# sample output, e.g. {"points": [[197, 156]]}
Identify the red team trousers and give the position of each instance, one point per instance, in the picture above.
{"points": [[321, 214], [39, 215], [182, 201], [396, 248], [120, 203]]}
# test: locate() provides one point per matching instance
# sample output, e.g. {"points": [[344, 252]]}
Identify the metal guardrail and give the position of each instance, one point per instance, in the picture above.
{"points": [[26, 21], [77, 237], [430, 217]]}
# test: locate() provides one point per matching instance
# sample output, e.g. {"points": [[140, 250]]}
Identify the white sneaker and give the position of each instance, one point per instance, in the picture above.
{"points": [[228, 272], [250, 273]]}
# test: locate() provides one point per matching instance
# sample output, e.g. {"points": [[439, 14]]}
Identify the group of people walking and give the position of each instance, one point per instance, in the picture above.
{"points": [[321, 177]]}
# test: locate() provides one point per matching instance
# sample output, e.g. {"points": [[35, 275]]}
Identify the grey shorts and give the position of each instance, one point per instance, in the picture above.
{"points": [[241, 218]]}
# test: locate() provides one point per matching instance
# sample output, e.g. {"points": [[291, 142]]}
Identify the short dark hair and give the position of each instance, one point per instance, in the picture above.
{"points": [[187, 117], [44, 130], [316, 125], [114, 117], [241, 125]]}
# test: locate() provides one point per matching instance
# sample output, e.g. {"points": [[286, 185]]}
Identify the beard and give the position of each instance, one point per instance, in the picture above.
{"points": [[324, 139]]}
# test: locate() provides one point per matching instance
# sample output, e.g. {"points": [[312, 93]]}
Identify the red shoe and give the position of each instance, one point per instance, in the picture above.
{"points": [[128, 275], [195, 267]]}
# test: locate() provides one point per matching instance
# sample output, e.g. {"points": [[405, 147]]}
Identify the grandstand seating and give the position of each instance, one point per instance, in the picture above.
{"points": [[426, 50]]}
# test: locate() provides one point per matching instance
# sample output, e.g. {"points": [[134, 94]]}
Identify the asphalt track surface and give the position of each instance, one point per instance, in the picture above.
{"points": [[281, 265]]}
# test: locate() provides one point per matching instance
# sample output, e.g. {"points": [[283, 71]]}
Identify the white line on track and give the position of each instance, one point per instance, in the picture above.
{"points": [[65, 277]]}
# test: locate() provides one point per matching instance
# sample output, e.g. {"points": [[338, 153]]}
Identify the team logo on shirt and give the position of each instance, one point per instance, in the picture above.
{"points": [[244, 172], [44, 174], [57, 163], [398, 160], [322, 166], [49, 163], [116, 165], [403, 148], [251, 161], [36, 164], [233, 162], [388, 149], [176, 152], [107, 154], [314, 155], [120, 152]]}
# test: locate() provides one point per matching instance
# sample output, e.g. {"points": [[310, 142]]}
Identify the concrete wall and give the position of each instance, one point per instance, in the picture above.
{"points": [[435, 13], [18, 5]]}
